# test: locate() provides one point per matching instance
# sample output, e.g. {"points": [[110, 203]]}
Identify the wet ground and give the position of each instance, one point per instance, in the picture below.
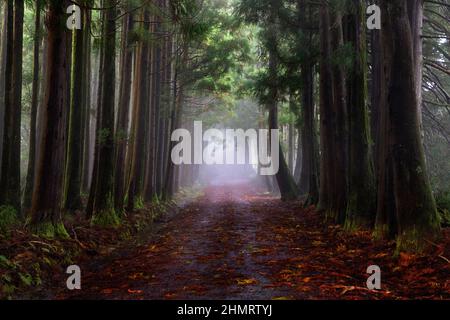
{"points": [[236, 242]]}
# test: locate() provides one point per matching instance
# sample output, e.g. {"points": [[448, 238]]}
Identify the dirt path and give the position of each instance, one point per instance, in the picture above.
{"points": [[238, 243]]}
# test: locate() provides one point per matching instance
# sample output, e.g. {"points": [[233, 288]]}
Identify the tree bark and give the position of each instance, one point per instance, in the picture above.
{"points": [[339, 195], [415, 209], [47, 197], [86, 115], [3, 46], [309, 172], [103, 212], [122, 130], [75, 144], [34, 106], [326, 101], [361, 204], [141, 103], [286, 184], [10, 176]]}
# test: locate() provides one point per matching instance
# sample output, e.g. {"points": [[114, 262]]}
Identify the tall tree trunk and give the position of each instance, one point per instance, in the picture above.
{"points": [[140, 101], [326, 101], [375, 94], [340, 127], [286, 183], [75, 144], [157, 106], [361, 205], [103, 212], [415, 16], [99, 98], [86, 115], [122, 131], [309, 174], [10, 176], [170, 184], [49, 181], [3, 46], [415, 209], [34, 106], [150, 176]]}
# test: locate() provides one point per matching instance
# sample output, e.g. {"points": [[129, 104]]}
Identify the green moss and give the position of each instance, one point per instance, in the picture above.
{"points": [[139, 202], [26, 278], [106, 218], [50, 230], [354, 223], [443, 207], [381, 231], [445, 217], [414, 239], [120, 212], [8, 218]]}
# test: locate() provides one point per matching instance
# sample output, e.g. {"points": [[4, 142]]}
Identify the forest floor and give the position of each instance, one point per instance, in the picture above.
{"points": [[232, 242], [236, 242]]}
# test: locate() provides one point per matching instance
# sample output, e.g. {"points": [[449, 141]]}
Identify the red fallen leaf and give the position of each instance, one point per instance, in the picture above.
{"points": [[427, 271], [406, 259], [135, 291], [107, 291], [169, 295], [243, 282], [283, 298]]}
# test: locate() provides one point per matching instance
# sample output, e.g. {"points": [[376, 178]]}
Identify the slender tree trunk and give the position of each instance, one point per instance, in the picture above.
{"points": [[150, 176], [291, 139], [86, 115], [299, 158], [158, 126], [135, 192], [49, 181], [122, 131], [169, 183], [103, 204], [99, 98], [10, 177], [340, 127], [286, 183], [326, 101], [75, 144], [415, 16], [375, 95], [87, 94], [361, 205], [309, 174], [3, 46], [34, 106]]}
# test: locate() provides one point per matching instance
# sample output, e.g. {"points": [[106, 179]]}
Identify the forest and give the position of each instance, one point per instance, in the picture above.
{"points": [[92, 93]]}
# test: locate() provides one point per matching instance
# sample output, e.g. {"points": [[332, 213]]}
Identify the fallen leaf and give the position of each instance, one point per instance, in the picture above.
{"points": [[243, 282]]}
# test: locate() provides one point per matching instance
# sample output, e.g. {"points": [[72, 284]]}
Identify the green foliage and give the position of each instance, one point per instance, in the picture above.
{"points": [[106, 218], [139, 202], [8, 218], [443, 206], [50, 230], [6, 262]]}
